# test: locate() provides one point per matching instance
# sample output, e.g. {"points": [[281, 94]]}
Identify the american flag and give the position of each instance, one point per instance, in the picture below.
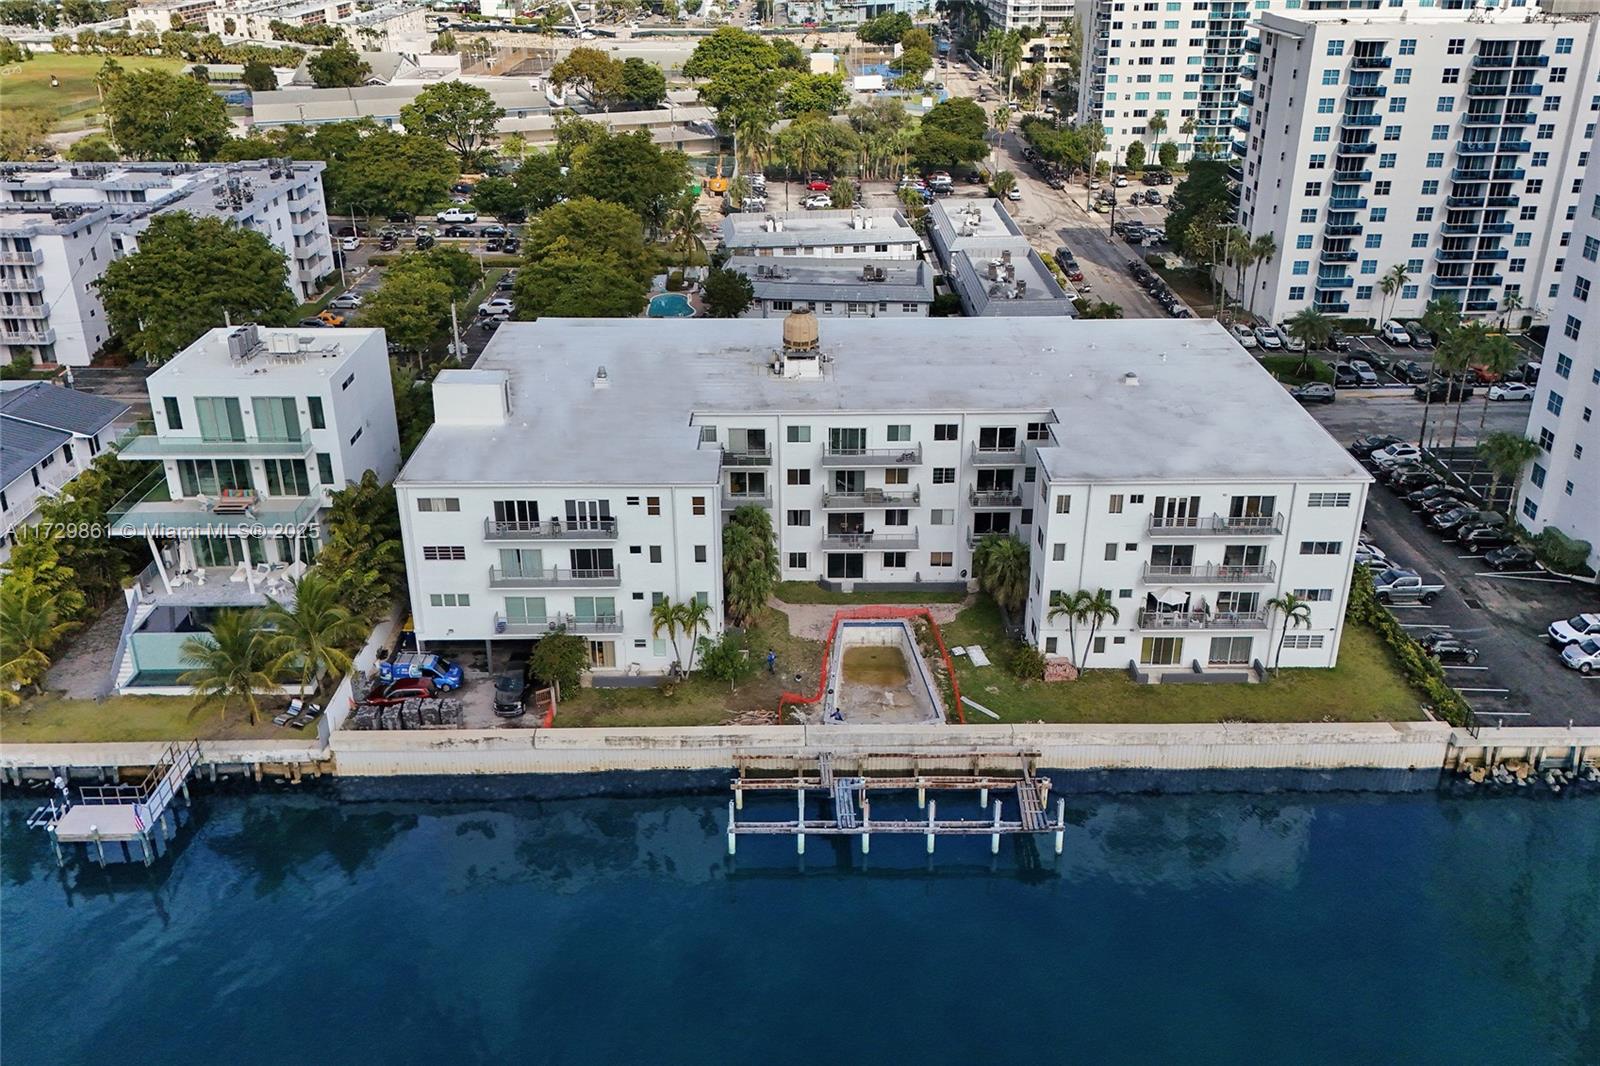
{"points": [[138, 817]]}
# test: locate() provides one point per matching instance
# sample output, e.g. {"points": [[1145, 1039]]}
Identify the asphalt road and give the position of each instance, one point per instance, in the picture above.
{"points": [[1358, 412]]}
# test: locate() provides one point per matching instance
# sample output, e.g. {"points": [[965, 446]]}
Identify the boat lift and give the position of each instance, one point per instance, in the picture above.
{"points": [[121, 814], [850, 795]]}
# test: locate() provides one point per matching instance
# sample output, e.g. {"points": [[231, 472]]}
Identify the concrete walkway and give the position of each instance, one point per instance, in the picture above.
{"points": [[811, 620], [84, 671]]}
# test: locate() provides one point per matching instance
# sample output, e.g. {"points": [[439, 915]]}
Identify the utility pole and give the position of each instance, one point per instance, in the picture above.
{"points": [[455, 333]]}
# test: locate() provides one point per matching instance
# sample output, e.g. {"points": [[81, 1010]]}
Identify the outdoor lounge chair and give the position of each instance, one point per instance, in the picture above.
{"points": [[312, 713], [289, 715]]}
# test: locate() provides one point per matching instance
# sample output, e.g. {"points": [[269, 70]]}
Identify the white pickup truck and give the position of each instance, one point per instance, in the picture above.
{"points": [[1406, 586]]}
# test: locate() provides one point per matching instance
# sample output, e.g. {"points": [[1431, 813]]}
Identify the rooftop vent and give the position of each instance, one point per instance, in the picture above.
{"points": [[602, 380], [1130, 379], [243, 342]]}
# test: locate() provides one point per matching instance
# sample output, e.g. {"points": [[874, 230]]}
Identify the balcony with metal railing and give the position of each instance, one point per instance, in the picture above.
{"points": [[1529, 89], [147, 443], [1339, 257], [731, 499], [1247, 98], [1449, 281], [1240, 148], [1514, 146], [899, 455], [1347, 203], [554, 577], [1464, 201], [1482, 305], [894, 538], [26, 312], [1202, 619], [1371, 62], [1342, 229], [993, 498], [1461, 229], [747, 456], [1351, 177], [28, 336], [871, 499], [1498, 228], [1367, 92], [1469, 174], [30, 284], [997, 455], [1335, 308], [33, 257], [1503, 201], [1533, 61], [571, 623], [1488, 280], [1491, 62], [150, 510], [1453, 255], [1360, 121], [1330, 284], [1488, 89], [1216, 525], [1493, 253], [1211, 574], [1475, 147], [1520, 118], [1349, 148], [551, 529]]}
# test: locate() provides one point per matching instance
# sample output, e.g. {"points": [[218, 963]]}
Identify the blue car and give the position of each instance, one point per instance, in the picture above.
{"points": [[444, 674]]}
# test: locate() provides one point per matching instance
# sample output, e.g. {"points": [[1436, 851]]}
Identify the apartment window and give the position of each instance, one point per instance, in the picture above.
{"points": [[1530, 508], [1328, 499], [1381, 188], [894, 560], [1564, 365], [798, 477], [1408, 46], [347, 382], [1321, 133], [356, 435], [1315, 595], [1430, 188], [438, 503], [799, 434], [314, 405], [797, 560], [708, 434], [1321, 547], [1063, 505], [1038, 431], [1114, 505], [1308, 214], [1580, 288], [697, 504], [1573, 327], [941, 516], [946, 430], [1456, 46], [1547, 439], [655, 553], [652, 505], [1111, 553], [1050, 645], [1553, 403], [174, 415], [944, 475], [1303, 242], [700, 553], [450, 599], [1391, 133], [798, 518], [1434, 161], [1303, 641], [1058, 553], [441, 553], [899, 434], [941, 559], [897, 477], [1386, 161]]}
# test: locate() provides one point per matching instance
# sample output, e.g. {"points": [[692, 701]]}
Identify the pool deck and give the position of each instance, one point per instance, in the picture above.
{"points": [[696, 308]]}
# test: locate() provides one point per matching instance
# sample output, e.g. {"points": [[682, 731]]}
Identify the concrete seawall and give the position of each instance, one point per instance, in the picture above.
{"points": [[1402, 746]]}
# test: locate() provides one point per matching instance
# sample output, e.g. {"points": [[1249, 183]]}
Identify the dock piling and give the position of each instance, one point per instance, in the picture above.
{"points": [[932, 806], [99, 846], [866, 823], [1061, 825], [55, 843], [800, 825], [994, 838], [983, 798], [732, 836]]}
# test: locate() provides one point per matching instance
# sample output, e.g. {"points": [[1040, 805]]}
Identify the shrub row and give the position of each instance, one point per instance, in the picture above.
{"points": [[1420, 669]]}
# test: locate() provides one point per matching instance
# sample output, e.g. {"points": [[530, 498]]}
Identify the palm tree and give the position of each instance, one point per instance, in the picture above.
{"points": [[1469, 345], [1311, 328], [687, 228], [1499, 356], [1010, 56], [233, 663], [1187, 129], [1441, 317], [1098, 609], [1393, 281], [1072, 608], [664, 616], [30, 626], [1262, 249], [749, 562], [1155, 126], [1033, 80], [1506, 455], [1510, 304], [754, 136], [1001, 564], [311, 636], [693, 616], [1101, 309], [1296, 612], [1002, 119], [1236, 247], [1003, 182]]}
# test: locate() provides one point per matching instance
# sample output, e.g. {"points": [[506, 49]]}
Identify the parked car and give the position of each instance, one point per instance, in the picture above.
{"points": [[1417, 497], [348, 301], [1447, 522], [1443, 391], [498, 306], [493, 230], [1400, 585], [1395, 333], [1512, 557], [1120, 182], [456, 214], [1420, 337], [818, 202], [1363, 369], [1510, 390], [445, 675], [388, 242], [1345, 376], [1314, 392], [1396, 453], [1440, 504], [492, 244], [406, 688], [1152, 198], [1242, 334], [1413, 480], [1564, 631], [1453, 650], [331, 318], [1484, 538], [1584, 656], [1291, 343], [455, 231], [425, 241], [1370, 555], [819, 185], [349, 231], [510, 694], [1014, 194], [1363, 447], [1411, 372], [350, 244], [511, 245], [1338, 341], [1268, 338], [312, 323]]}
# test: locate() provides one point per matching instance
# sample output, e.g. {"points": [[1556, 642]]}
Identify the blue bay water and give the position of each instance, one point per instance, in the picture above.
{"points": [[1194, 929]]}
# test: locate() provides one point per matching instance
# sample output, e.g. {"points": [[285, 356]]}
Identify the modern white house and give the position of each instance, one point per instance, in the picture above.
{"points": [[990, 264], [48, 436], [1562, 486], [1448, 146], [870, 233], [253, 430], [834, 288], [1154, 459], [61, 224]]}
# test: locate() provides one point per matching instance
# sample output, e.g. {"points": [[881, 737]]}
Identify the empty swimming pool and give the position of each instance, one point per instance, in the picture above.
{"points": [[671, 305]]}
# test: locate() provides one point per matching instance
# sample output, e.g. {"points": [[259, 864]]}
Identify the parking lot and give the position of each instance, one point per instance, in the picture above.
{"points": [[1518, 678]]}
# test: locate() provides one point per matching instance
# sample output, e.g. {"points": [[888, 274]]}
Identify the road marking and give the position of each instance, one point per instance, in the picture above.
{"points": [[1505, 714], [1408, 606], [1523, 577], [1422, 625], [1502, 691], [1456, 666]]}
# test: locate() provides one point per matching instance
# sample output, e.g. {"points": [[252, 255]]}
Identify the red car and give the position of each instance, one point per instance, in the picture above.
{"points": [[819, 185], [410, 688], [1074, 275]]}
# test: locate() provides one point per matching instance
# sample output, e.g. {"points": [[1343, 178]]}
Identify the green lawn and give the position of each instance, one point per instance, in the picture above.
{"points": [[52, 719], [811, 592], [75, 102], [1364, 687], [701, 701], [1287, 368], [1191, 287]]}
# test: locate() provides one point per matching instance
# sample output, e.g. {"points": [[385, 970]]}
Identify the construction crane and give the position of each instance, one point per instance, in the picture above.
{"points": [[577, 22]]}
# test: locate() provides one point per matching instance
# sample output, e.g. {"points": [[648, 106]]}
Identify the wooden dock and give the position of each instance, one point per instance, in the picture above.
{"points": [[120, 815], [848, 790]]}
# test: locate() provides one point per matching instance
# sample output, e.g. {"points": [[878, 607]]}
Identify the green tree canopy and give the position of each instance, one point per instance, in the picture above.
{"points": [[258, 77], [742, 72], [499, 197], [412, 307], [1133, 159], [643, 84], [155, 115], [952, 133], [188, 274], [465, 117], [749, 562], [805, 93], [595, 72], [632, 170], [885, 29], [728, 293], [339, 67], [94, 149], [585, 259], [540, 182], [917, 38], [385, 171]]}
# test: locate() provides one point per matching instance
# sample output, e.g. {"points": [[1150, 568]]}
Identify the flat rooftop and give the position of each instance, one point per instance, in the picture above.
{"points": [[1202, 408], [1005, 280], [831, 278], [276, 353], [984, 219], [786, 229]]}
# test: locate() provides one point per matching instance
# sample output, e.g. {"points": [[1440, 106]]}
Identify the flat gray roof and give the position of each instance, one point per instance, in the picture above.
{"points": [[982, 219], [883, 225], [1202, 409], [832, 278], [987, 280]]}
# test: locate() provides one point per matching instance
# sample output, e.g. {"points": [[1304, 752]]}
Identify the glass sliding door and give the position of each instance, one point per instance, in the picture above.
{"points": [[276, 417], [522, 562], [220, 418], [287, 477], [210, 476]]}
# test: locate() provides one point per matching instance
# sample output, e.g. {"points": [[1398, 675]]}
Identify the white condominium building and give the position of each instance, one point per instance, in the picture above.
{"points": [[1051, 15], [870, 233], [61, 224], [1562, 487], [1153, 459], [1449, 148]]}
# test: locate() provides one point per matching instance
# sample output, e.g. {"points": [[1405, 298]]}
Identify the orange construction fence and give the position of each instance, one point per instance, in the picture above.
{"points": [[867, 613]]}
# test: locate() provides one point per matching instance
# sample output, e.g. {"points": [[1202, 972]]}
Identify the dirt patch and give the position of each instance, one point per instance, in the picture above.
{"points": [[883, 667], [811, 620]]}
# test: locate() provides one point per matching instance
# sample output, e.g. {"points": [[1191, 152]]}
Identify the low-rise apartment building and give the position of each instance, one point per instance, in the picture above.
{"points": [[48, 436], [834, 288], [884, 453], [62, 224], [253, 429], [871, 233], [990, 264], [1448, 147], [1562, 486]]}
